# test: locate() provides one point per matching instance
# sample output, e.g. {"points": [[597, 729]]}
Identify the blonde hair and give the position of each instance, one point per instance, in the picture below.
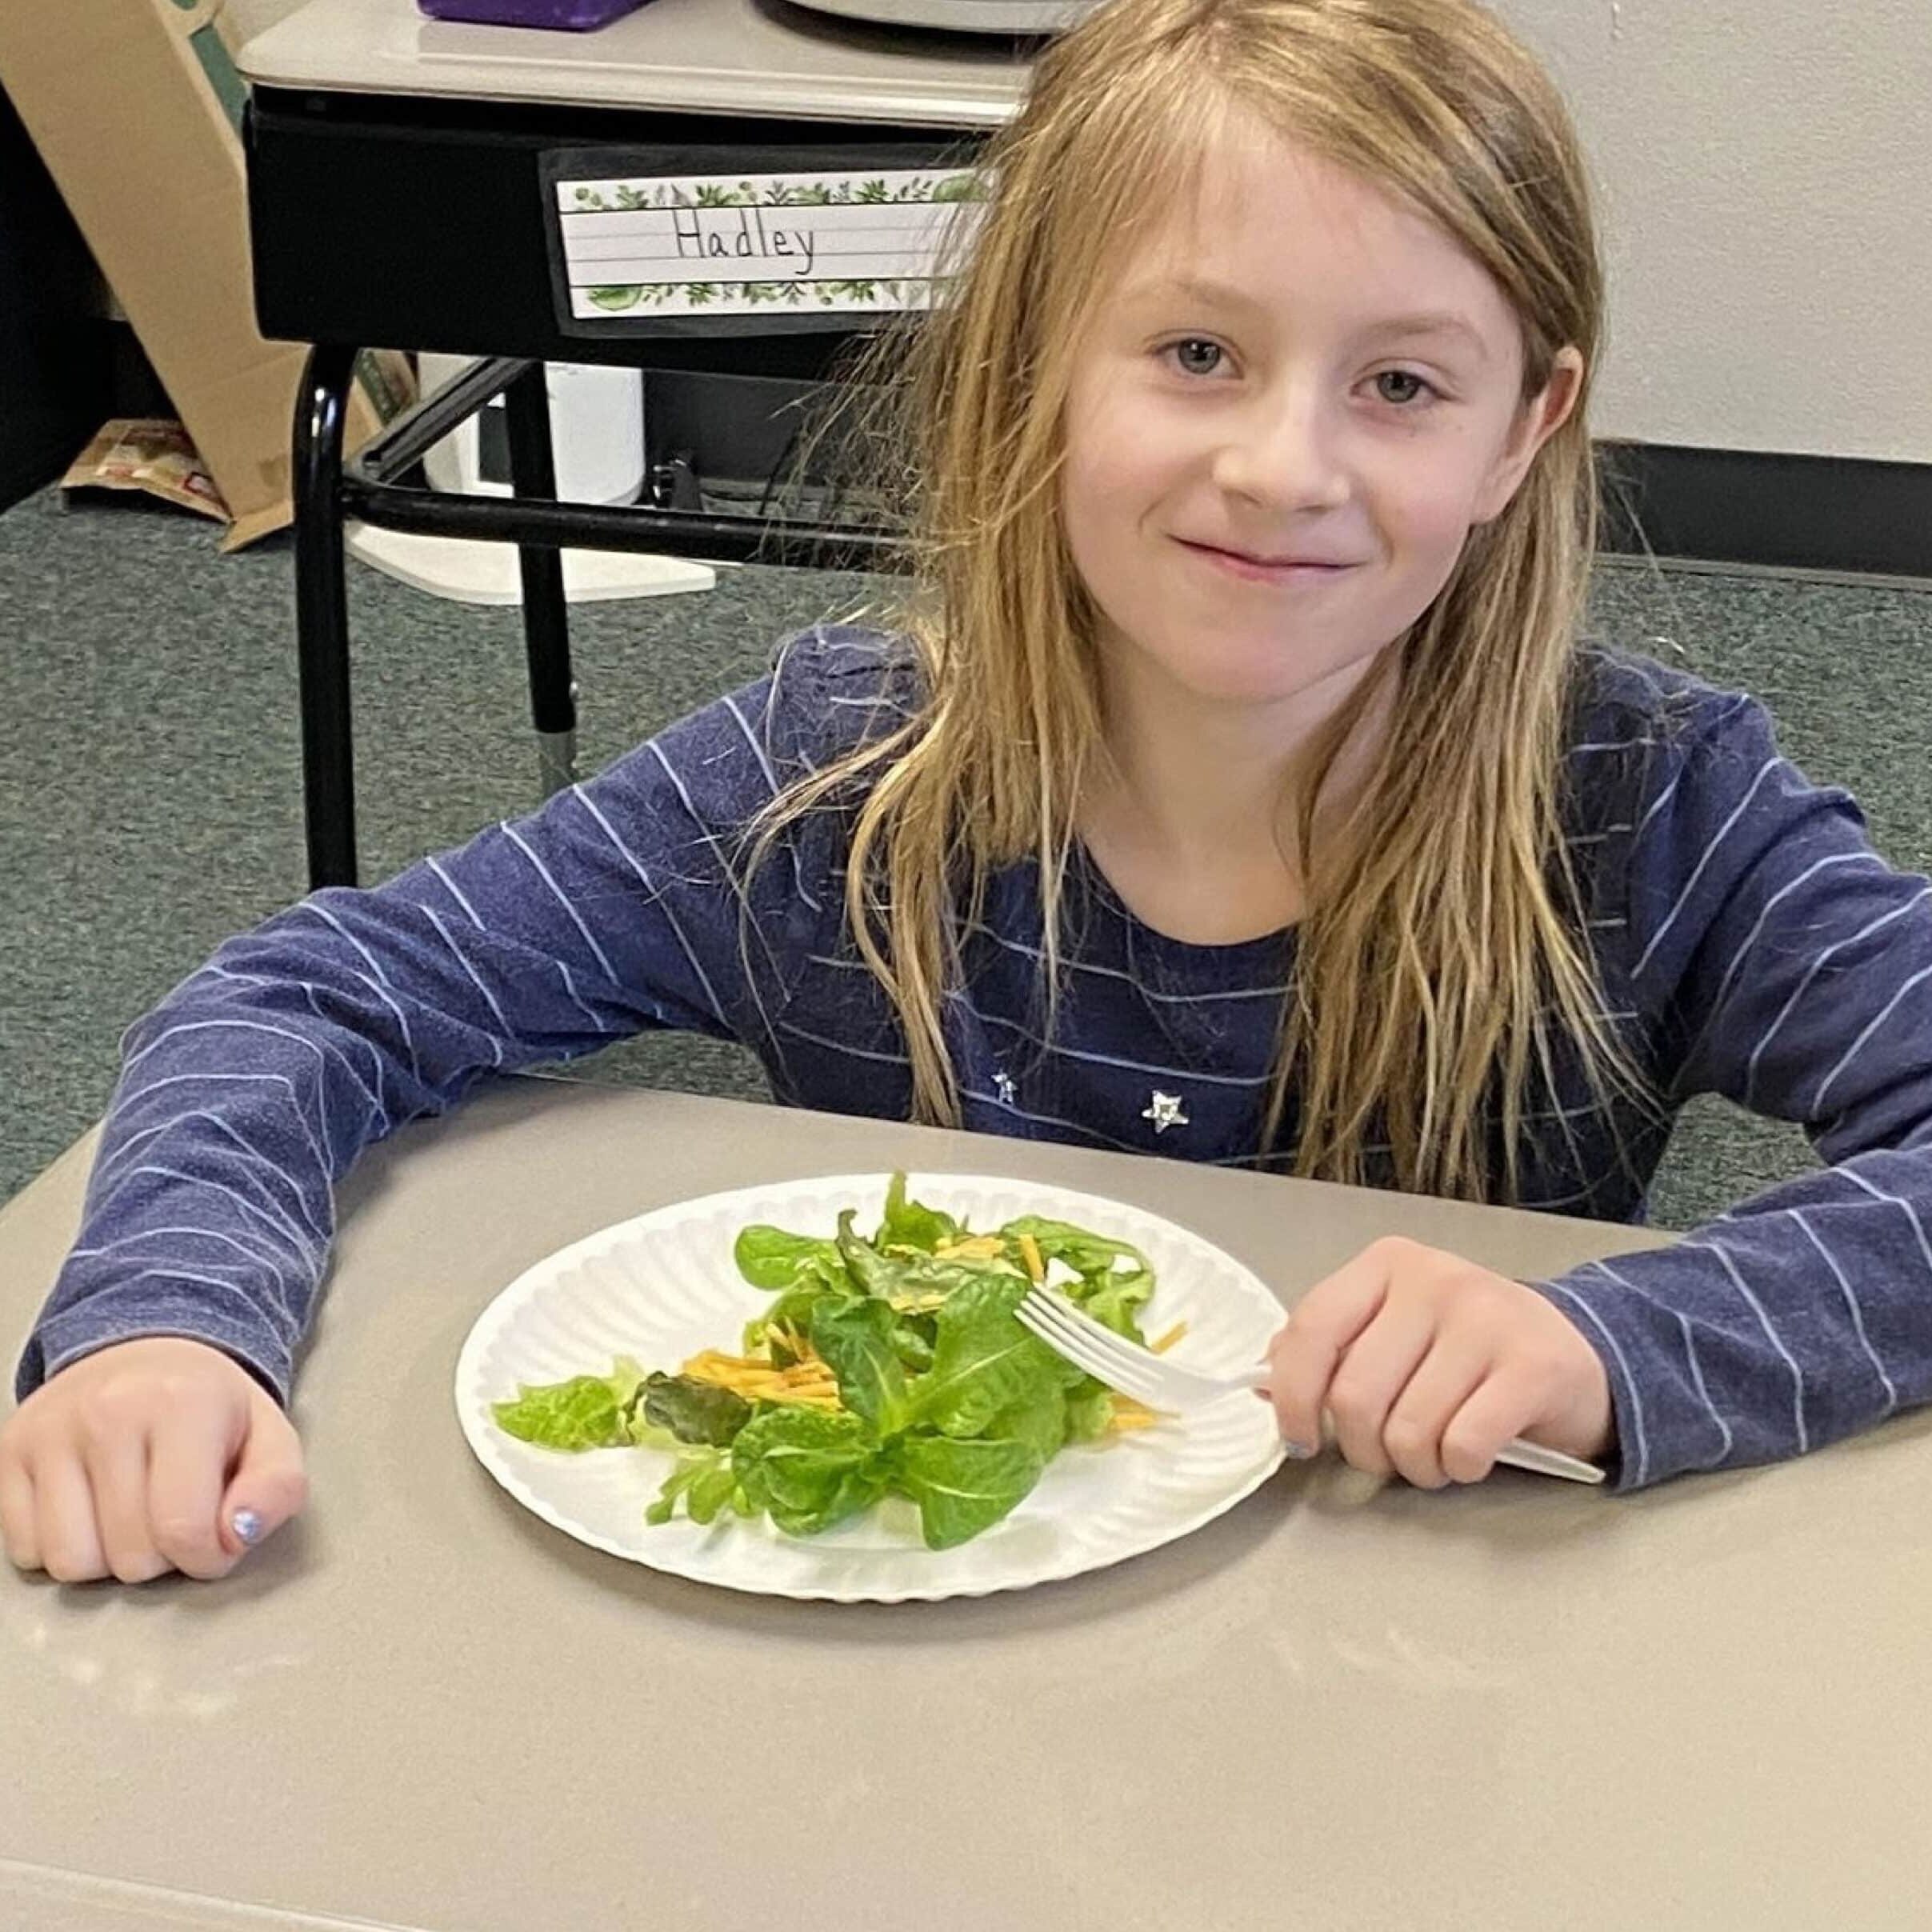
{"points": [[1440, 958]]}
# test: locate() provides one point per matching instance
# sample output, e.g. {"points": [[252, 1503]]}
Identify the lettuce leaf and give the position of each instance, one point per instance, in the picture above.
{"points": [[1116, 1279], [1086, 1253], [694, 1411], [913, 1282], [856, 1340], [1089, 1410], [809, 1468], [913, 1336], [792, 1311], [984, 1363], [1040, 1422], [1118, 1299], [585, 1412], [962, 1488], [908, 1224], [769, 1258], [706, 1484]]}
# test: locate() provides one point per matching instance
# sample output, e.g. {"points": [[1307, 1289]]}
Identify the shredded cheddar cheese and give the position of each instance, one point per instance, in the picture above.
{"points": [[969, 1247], [808, 1381]]}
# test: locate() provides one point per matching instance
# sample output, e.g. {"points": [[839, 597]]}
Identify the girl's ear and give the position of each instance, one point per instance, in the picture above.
{"points": [[1536, 422]]}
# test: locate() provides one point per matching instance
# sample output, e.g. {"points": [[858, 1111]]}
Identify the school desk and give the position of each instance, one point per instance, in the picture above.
{"points": [[1517, 1706], [400, 197]]}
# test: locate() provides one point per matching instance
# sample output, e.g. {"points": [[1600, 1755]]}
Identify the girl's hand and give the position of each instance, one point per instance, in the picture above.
{"points": [[143, 1458], [1429, 1364]]}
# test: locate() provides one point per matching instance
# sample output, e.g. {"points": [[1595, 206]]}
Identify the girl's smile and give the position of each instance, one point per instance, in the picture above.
{"points": [[1292, 574]]}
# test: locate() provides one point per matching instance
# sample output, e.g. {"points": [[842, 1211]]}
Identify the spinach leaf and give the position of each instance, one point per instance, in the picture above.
{"points": [[585, 1412], [855, 1339], [768, 1257], [962, 1488], [984, 1362], [809, 1468], [694, 1411], [908, 1224]]}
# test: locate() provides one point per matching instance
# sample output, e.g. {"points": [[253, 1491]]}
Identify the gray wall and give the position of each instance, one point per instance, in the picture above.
{"points": [[1765, 168]]}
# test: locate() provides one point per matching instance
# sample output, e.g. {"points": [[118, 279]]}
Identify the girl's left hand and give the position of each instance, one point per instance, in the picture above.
{"points": [[1429, 1364]]}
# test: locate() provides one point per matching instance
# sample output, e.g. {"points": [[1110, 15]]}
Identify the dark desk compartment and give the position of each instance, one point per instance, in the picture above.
{"points": [[420, 224], [55, 352]]}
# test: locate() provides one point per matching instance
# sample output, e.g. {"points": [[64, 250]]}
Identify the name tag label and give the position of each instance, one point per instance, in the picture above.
{"points": [[837, 242]]}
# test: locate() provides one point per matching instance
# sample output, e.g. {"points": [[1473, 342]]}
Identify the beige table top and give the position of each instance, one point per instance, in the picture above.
{"points": [[750, 57], [1525, 1705]]}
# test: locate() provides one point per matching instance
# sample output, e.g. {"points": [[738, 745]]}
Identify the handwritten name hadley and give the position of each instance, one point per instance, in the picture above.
{"points": [[724, 234]]}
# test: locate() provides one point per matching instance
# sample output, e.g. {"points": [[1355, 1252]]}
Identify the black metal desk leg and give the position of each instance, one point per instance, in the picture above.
{"points": [[322, 617], [547, 620]]}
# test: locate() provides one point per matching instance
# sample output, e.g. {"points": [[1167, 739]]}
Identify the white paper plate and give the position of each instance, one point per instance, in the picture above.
{"points": [[663, 1286]]}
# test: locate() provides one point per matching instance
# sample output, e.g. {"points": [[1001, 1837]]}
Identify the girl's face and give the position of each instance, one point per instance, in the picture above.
{"points": [[1306, 374]]}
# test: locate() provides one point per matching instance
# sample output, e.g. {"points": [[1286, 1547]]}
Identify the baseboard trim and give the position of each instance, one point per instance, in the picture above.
{"points": [[1804, 513]]}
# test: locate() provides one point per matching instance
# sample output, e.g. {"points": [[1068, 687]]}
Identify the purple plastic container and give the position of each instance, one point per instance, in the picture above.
{"points": [[574, 16]]}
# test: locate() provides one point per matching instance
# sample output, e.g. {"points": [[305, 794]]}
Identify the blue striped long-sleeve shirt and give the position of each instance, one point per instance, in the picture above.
{"points": [[1748, 940]]}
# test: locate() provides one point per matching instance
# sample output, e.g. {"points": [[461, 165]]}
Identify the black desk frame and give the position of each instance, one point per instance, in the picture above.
{"points": [[459, 263]]}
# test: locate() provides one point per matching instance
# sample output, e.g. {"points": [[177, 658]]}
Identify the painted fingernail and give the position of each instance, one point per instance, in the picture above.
{"points": [[246, 1525], [1296, 1452]]}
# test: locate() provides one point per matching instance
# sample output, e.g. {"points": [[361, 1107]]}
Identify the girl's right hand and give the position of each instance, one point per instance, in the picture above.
{"points": [[143, 1458]]}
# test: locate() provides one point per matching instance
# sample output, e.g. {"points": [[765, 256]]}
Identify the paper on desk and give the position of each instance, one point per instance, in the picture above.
{"points": [[848, 240]]}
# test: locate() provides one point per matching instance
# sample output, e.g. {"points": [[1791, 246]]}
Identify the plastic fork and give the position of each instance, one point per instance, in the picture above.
{"points": [[1069, 1331]]}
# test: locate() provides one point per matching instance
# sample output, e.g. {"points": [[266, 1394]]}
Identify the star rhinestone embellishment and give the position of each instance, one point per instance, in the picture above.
{"points": [[1005, 1086], [1164, 1110]]}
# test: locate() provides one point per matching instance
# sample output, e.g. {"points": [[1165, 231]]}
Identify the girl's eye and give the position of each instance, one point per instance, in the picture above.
{"points": [[1407, 376], [1209, 352]]}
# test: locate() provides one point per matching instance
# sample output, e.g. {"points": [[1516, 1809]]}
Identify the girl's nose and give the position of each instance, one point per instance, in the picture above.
{"points": [[1285, 456]]}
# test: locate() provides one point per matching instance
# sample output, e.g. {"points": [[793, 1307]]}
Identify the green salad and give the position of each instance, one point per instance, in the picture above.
{"points": [[887, 1364]]}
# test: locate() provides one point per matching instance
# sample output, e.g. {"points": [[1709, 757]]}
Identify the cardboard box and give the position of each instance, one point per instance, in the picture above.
{"points": [[135, 106]]}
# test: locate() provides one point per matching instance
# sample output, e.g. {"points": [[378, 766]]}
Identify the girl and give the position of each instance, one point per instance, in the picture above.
{"points": [[1231, 784]]}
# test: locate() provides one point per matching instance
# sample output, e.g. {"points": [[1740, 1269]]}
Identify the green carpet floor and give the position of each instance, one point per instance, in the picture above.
{"points": [[149, 799]]}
